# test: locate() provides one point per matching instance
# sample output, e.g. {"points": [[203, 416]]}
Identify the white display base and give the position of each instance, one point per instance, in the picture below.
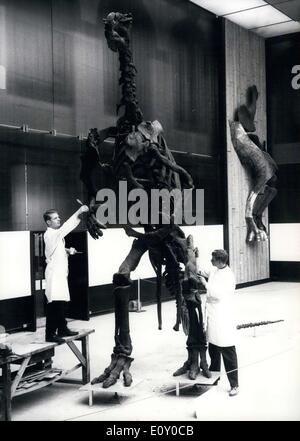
{"points": [[184, 380], [117, 389]]}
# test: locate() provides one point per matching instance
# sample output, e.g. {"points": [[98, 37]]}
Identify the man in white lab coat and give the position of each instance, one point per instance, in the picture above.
{"points": [[221, 325], [56, 274]]}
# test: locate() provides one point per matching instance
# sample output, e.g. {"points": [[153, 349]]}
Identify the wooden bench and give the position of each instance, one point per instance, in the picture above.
{"points": [[32, 358]]}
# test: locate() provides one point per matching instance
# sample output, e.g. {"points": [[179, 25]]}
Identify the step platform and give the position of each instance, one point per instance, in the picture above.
{"points": [[183, 381], [117, 389]]}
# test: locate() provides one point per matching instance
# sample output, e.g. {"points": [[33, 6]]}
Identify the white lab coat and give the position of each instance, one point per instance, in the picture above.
{"points": [[221, 324], [57, 270]]}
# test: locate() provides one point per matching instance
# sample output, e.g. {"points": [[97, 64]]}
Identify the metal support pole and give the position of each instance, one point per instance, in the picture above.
{"points": [[139, 305]]}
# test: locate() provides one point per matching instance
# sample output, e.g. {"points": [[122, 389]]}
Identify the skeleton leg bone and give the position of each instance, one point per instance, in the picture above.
{"points": [[194, 368], [122, 277], [262, 202], [107, 371], [253, 232], [185, 367], [122, 333], [196, 344], [120, 359]]}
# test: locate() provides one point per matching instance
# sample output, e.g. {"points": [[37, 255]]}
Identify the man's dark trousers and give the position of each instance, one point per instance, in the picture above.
{"points": [[230, 361], [55, 317]]}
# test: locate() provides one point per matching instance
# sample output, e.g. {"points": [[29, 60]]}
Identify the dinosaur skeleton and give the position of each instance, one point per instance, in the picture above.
{"points": [[257, 162], [140, 157]]}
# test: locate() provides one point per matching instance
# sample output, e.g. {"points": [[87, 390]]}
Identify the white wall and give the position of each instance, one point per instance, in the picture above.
{"points": [[285, 242], [106, 254], [15, 275]]}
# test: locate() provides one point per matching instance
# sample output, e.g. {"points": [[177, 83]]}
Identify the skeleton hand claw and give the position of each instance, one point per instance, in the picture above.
{"points": [[94, 226]]}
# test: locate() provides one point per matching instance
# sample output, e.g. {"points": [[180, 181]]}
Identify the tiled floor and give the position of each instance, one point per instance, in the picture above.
{"points": [[269, 368]]}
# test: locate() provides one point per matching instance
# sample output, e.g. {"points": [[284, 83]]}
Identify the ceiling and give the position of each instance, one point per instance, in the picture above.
{"points": [[268, 18]]}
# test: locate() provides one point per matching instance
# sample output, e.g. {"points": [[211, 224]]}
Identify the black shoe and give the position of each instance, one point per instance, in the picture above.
{"points": [[54, 338], [67, 333]]}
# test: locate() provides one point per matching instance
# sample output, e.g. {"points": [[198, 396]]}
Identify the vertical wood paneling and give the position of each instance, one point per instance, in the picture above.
{"points": [[245, 66], [175, 48], [27, 59], [37, 172]]}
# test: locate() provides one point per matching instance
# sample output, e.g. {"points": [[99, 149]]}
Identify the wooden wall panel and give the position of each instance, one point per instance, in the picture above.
{"points": [[79, 68], [61, 75], [26, 55], [245, 66], [176, 47], [37, 172]]}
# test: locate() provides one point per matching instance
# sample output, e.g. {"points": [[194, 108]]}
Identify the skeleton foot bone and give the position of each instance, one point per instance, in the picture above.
{"points": [[119, 363], [254, 233]]}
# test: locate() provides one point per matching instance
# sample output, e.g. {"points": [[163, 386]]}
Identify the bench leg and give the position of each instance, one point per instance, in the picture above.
{"points": [[6, 395], [86, 375]]}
